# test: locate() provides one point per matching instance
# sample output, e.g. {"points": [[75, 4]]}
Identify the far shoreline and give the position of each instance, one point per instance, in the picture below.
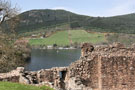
{"points": [[49, 47]]}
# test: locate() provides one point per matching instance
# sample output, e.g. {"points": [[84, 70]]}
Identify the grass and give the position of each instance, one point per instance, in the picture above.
{"points": [[61, 38], [126, 39], [45, 29], [16, 86], [83, 36]]}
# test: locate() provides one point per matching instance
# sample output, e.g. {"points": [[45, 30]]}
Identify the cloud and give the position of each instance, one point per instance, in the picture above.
{"points": [[119, 7], [55, 8], [124, 7], [64, 8], [68, 9]]}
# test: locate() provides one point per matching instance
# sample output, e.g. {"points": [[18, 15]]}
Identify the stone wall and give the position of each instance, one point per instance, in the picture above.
{"points": [[50, 77], [12, 76], [109, 67], [118, 73], [86, 70]]}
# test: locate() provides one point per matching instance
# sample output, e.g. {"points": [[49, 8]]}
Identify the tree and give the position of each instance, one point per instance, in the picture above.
{"points": [[75, 25], [8, 19], [7, 11], [10, 57]]}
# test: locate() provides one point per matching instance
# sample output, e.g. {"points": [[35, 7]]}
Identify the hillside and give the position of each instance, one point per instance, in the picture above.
{"points": [[117, 24], [50, 20], [46, 19], [63, 38]]}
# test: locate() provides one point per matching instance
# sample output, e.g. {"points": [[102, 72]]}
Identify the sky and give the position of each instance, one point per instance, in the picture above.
{"points": [[85, 7]]}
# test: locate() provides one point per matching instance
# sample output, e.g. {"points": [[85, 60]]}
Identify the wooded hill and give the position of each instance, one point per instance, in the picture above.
{"points": [[47, 19]]}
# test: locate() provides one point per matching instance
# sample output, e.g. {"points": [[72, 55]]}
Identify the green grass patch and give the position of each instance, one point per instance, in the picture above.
{"points": [[16, 86], [61, 38], [83, 36]]}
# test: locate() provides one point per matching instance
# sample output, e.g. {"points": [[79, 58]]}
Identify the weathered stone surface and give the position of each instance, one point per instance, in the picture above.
{"points": [[86, 48], [12, 76], [23, 80]]}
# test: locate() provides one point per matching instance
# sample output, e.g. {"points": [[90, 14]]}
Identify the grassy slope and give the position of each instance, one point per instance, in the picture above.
{"points": [[16, 86], [126, 39], [61, 38], [82, 36]]}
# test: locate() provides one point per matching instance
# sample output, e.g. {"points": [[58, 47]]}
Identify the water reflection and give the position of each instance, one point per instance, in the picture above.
{"points": [[44, 59]]}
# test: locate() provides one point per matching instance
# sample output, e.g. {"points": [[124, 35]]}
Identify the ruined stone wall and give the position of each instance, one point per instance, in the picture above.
{"points": [[105, 68], [12, 76], [86, 70], [50, 77], [118, 73]]}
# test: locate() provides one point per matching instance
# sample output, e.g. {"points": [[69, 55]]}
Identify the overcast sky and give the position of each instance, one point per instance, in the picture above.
{"points": [[85, 7]]}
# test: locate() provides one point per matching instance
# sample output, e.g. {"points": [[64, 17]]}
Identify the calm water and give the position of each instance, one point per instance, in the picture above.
{"points": [[44, 59]]}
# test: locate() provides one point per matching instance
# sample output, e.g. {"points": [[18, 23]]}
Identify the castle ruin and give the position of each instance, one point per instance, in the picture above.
{"points": [[110, 67]]}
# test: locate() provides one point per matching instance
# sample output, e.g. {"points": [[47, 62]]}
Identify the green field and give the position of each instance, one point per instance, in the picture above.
{"points": [[63, 38], [16, 86]]}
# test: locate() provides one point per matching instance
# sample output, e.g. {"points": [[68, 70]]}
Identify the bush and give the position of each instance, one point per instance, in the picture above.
{"points": [[12, 56]]}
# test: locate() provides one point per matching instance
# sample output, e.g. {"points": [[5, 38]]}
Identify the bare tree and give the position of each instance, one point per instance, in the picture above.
{"points": [[7, 11], [8, 19]]}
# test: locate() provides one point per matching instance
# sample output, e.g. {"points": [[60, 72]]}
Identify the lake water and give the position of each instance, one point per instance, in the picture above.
{"points": [[45, 59]]}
